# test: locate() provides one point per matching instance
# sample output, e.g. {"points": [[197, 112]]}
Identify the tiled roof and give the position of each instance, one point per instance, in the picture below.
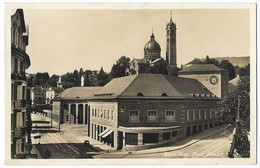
{"points": [[201, 68], [152, 86], [79, 93]]}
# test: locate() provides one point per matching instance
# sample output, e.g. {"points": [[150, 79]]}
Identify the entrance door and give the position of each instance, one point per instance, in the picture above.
{"points": [[120, 140]]}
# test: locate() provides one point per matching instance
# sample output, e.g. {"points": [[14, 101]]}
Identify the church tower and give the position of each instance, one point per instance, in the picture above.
{"points": [[171, 44]]}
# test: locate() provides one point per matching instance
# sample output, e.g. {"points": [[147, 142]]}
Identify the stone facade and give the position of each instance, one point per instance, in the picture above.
{"points": [[20, 92]]}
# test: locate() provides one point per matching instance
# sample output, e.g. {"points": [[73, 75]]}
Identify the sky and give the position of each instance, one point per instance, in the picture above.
{"points": [[61, 41]]}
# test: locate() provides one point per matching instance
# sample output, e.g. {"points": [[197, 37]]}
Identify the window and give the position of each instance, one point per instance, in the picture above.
{"points": [[164, 94], [211, 114], [205, 114], [15, 65], [166, 136], [104, 114], [151, 116], [112, 114], [174, 133], [21, 68], [95, 112], [194, 115], [133, 116], [188, 115], [170, 116], [139, 94], [12, 92], [107, 114], [200, 114]]}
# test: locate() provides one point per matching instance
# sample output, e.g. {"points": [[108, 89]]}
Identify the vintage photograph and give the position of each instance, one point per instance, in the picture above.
{"points": [[131, 82]]}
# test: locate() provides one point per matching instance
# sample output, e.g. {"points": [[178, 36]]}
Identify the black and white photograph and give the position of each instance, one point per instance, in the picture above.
{"points": [[91, 83]]}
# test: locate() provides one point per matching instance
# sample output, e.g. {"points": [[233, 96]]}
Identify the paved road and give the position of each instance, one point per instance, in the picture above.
{"points": [[215, 146], [69, 144]]}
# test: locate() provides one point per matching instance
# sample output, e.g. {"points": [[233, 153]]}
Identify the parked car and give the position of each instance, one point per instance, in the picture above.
{"points": [[86, 143]]}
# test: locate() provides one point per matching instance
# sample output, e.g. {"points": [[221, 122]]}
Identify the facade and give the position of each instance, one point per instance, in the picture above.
{"points": [[148, 110], [20, 93], [38, 95], [72, 105], [211, 76]]}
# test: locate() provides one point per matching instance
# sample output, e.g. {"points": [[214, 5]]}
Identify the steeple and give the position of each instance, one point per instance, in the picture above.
{"points": [[152, 36], [171, 43]]}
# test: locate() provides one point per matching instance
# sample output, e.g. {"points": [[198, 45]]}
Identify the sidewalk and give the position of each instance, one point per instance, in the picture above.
{"points": [[36, 151], [188, 141]]}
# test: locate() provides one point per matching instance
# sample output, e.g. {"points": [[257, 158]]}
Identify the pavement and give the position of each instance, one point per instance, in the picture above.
{"points": [[75, 135]]}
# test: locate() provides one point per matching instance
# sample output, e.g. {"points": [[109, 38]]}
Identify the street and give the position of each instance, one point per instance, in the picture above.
{"points": [[69, 144]]}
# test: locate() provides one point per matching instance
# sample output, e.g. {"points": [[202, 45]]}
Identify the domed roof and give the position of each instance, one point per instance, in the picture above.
{"points": [[152, 44]]}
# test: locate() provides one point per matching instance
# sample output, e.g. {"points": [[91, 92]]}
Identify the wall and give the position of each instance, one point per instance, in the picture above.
{"points": [[180, 107], [204, 79]]}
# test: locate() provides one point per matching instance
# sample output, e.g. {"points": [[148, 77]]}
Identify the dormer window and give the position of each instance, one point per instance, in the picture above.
{"points": [[164, 94], [139, 94]]}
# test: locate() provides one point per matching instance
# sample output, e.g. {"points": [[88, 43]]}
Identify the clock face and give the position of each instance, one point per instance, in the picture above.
{"points": [[213, 80]]}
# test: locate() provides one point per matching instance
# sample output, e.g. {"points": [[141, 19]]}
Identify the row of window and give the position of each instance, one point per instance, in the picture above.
{"points": [[16, 66], [103, 114], [152, 116], [17, 39], [200, 114]]}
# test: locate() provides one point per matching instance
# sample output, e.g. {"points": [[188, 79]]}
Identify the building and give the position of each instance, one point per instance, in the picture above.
{"points": [[152, 52], [53, 92], [38, 95], [20, 93], [211, 76], [72, 105], [147, 110]]}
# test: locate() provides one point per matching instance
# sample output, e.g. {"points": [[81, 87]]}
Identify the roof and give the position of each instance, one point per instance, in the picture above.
{"points": [[20, 12], [79, 93], [152, 45], [153, 86], [198, 68]]}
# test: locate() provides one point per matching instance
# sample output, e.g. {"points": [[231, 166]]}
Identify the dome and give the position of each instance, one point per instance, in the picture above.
{"points": [[152, 45]]}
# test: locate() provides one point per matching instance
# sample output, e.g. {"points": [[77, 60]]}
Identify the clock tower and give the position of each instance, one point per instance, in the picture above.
{"points": [[171, 44]]}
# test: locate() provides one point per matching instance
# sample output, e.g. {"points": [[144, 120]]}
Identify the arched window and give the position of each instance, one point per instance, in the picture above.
{"points": [[139, 94], [164, 94]]}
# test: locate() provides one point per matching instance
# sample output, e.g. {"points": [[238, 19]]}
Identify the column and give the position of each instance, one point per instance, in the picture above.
{"points": [[69, 113], [140, 139], [84, 114], [99, 131], [160, 137], [115, 139], [96, 134], [77, 113], [124, 139]]}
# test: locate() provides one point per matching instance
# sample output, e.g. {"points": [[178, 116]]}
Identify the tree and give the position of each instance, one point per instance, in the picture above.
{"points": [[237, 101], [53, 80], [118, 69], [226, 65], [158, 68], [40, 78], [77, 77], [102, 78], [210, 61], [245, 71]]}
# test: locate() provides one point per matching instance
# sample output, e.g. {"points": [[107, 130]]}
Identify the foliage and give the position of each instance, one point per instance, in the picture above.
{"points": [[40, 78], [53, 80], [225, 64], [239, 100], [118, 69], [245, 71], [158, 68], [102, 78]]}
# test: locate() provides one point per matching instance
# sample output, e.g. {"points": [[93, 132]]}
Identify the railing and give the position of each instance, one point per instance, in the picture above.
{"points": [[19, 132], [18, 103]]}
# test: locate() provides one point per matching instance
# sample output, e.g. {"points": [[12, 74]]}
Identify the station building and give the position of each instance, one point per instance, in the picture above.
{"points": [[147, 110]]}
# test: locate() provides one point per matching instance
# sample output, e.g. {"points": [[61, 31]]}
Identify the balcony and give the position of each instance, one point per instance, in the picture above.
{"points": [[17, 104], [18, 76], [19, 132]]}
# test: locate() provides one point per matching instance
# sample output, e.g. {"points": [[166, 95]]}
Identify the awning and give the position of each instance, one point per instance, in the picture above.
{"points": [[106, 134], [102, 133]]}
